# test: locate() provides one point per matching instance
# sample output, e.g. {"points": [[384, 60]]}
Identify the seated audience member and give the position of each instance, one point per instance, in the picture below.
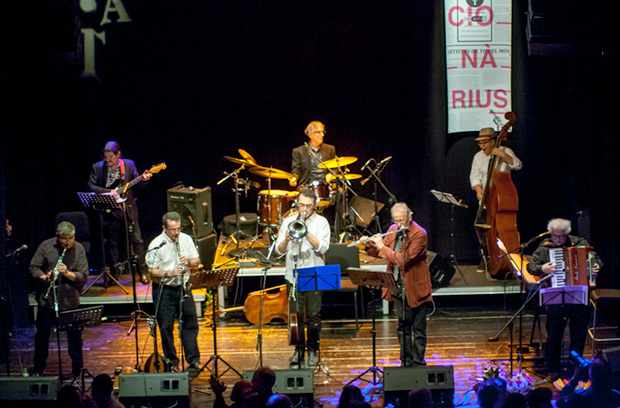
{"points": [[600, 394], [279, 401], [515, 400], [350, 395], [421, 398], [539, 398], [243, 394], [263, 380], [101, 390], [488, 395]]}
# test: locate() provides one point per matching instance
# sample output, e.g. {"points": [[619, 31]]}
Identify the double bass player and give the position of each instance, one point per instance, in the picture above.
{"points": [[505, 162]]}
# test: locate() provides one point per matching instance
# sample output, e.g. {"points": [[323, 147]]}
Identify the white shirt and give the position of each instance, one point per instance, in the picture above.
{"points": [[480, 166], [306, 254], [167, 258]]}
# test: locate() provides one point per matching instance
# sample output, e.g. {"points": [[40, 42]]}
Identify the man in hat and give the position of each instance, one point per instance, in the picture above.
{"points": [[506, 160]]}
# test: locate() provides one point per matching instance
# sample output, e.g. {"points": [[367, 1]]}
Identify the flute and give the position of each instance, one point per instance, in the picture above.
{"points": [[361, 241]]}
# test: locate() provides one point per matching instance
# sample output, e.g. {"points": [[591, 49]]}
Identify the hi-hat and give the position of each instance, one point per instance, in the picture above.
{"points": [[240, 161], [247, 156], [270, 172], [337, 162]]}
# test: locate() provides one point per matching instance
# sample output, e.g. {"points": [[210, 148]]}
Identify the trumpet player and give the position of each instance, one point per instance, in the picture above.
{"points": [[169, 257], [61, 262], [304, 238], [412, 294]]}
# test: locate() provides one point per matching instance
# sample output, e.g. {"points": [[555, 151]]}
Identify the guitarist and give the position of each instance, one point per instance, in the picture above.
{"points": [[109, 176]]}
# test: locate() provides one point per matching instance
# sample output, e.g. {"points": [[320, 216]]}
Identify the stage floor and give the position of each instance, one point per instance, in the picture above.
{"points": [[457, 337]]}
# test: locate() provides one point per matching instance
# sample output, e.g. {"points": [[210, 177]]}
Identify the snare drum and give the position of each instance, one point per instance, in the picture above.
{"points": [[321, 189], [272, 205]]}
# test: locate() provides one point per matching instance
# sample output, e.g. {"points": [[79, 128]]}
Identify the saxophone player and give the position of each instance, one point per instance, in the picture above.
{"points": [[62, 262], [304, 249]]}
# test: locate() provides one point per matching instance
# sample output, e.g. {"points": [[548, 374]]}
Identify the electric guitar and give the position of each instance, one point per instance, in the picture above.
{"points": [[122, 189]]}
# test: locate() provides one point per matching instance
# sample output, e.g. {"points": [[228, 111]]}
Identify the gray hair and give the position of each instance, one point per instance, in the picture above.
{"points": [[401, 207], [312, 127], [559, 223], [65, 228], [170, 216], [307, 192]]}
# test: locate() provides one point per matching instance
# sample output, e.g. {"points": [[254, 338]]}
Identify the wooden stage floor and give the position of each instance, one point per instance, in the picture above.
{"points": [[458, 336]]}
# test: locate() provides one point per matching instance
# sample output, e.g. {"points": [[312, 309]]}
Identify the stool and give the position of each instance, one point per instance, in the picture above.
{"points": [[602, 334]]}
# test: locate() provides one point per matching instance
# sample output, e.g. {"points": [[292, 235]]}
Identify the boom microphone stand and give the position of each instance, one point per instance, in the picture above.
{"points": [[376, 175]]}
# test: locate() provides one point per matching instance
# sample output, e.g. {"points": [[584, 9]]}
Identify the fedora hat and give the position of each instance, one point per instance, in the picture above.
{"points": [[485, 133]]}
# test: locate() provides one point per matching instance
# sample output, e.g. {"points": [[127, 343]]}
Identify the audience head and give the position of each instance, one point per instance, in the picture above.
{"points": [[69, 396], [102, 387], [263, 379], [421, 398], [539, 398], [350, 395], [242, 391], [515, 400], [488, 394], [279, 401], [600, 373]]}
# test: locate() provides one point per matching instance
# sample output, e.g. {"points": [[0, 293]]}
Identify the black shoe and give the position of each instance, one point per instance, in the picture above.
{"points": [[194, 367], [296, 358], [312, 358], [419, 363]]}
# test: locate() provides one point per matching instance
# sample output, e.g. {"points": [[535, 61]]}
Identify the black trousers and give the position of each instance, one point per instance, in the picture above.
{"points": [[577, 317], [173, 306], [46, 321], [411, 330], [310, 305]]}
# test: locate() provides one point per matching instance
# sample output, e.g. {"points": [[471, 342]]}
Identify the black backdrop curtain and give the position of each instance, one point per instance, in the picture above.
{"points": [[187, 83]]}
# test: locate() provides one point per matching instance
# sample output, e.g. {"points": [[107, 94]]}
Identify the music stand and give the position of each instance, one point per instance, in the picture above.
{"points": [[373, 280], [77, 319], [213, 279], [100, 203], [314, 278], [443, 197]]}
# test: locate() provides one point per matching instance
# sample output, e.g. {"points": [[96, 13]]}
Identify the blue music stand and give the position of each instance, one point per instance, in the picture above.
{"points": [[325, 277]]}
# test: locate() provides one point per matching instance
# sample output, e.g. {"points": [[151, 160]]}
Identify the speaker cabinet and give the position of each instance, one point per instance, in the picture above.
{"points": [[398, 381], [206, 248], [154, 390], [194, 205], [441, 270], [30, 389]]}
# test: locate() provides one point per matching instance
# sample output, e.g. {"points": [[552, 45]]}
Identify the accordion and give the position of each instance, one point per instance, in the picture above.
{"points": [[573, 266]]}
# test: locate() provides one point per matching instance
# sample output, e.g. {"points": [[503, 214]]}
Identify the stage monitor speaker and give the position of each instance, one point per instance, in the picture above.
{"points": [[206, 248], [29, 389], [290, 382], [364, 210], [441, 270], [154, 390], [194, 205], [399, 381]]}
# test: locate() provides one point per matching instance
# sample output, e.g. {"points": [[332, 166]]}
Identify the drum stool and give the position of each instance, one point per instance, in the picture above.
{"points": [[603, 334]]}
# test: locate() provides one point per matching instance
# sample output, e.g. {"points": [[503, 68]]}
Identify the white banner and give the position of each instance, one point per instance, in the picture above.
{"points": [[478, 62]]}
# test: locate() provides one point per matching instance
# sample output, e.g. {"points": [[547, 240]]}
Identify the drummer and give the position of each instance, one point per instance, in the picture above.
{"points": [[306, 158]]}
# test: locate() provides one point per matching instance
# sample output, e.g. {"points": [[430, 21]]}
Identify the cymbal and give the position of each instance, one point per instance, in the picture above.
{"points": [[351, 176], [247, 156], [270, 173], [337, 162], [240, 161]]}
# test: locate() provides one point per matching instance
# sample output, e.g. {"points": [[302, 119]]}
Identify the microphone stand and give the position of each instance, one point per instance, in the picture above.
{"points": [[376, 175]]}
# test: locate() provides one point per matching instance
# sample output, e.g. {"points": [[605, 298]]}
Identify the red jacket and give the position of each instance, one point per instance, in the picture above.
{"points": [[417, 276]]}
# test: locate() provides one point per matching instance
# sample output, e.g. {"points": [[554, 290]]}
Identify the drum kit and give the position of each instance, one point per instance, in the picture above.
{"points": [[273, 205]]}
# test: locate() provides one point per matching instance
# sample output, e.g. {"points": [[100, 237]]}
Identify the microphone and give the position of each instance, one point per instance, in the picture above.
{"points": [[308, 148], [157, 247], [541, 235], [21, 248], [384, 161], [365, 166]]}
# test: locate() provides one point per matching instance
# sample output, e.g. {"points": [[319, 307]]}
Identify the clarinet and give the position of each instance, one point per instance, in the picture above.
{"points": [[185, 294], [53, 281]]}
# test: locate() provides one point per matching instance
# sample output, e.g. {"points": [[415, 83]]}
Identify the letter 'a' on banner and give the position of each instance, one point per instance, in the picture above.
{"points": [[478, 62]]}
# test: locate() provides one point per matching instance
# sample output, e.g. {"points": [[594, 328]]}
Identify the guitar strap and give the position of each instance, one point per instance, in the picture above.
{"points": [[123, 178]]}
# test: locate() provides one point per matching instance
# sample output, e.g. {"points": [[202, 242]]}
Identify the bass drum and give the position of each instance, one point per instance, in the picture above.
{"points": [[272, 205], [321, 190]]}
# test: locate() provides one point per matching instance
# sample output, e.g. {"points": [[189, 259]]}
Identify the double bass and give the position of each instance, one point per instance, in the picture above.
{"points": [[497, 213]]}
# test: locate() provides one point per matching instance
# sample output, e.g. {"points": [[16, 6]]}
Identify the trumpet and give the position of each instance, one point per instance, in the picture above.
{"points": [[298, 229], [361, 241], [53, 281]]}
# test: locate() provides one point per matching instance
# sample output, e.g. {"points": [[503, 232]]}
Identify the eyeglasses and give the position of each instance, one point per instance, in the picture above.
{"points": [[483, 142], [319, 131], [305, 205], [174, 229]]}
